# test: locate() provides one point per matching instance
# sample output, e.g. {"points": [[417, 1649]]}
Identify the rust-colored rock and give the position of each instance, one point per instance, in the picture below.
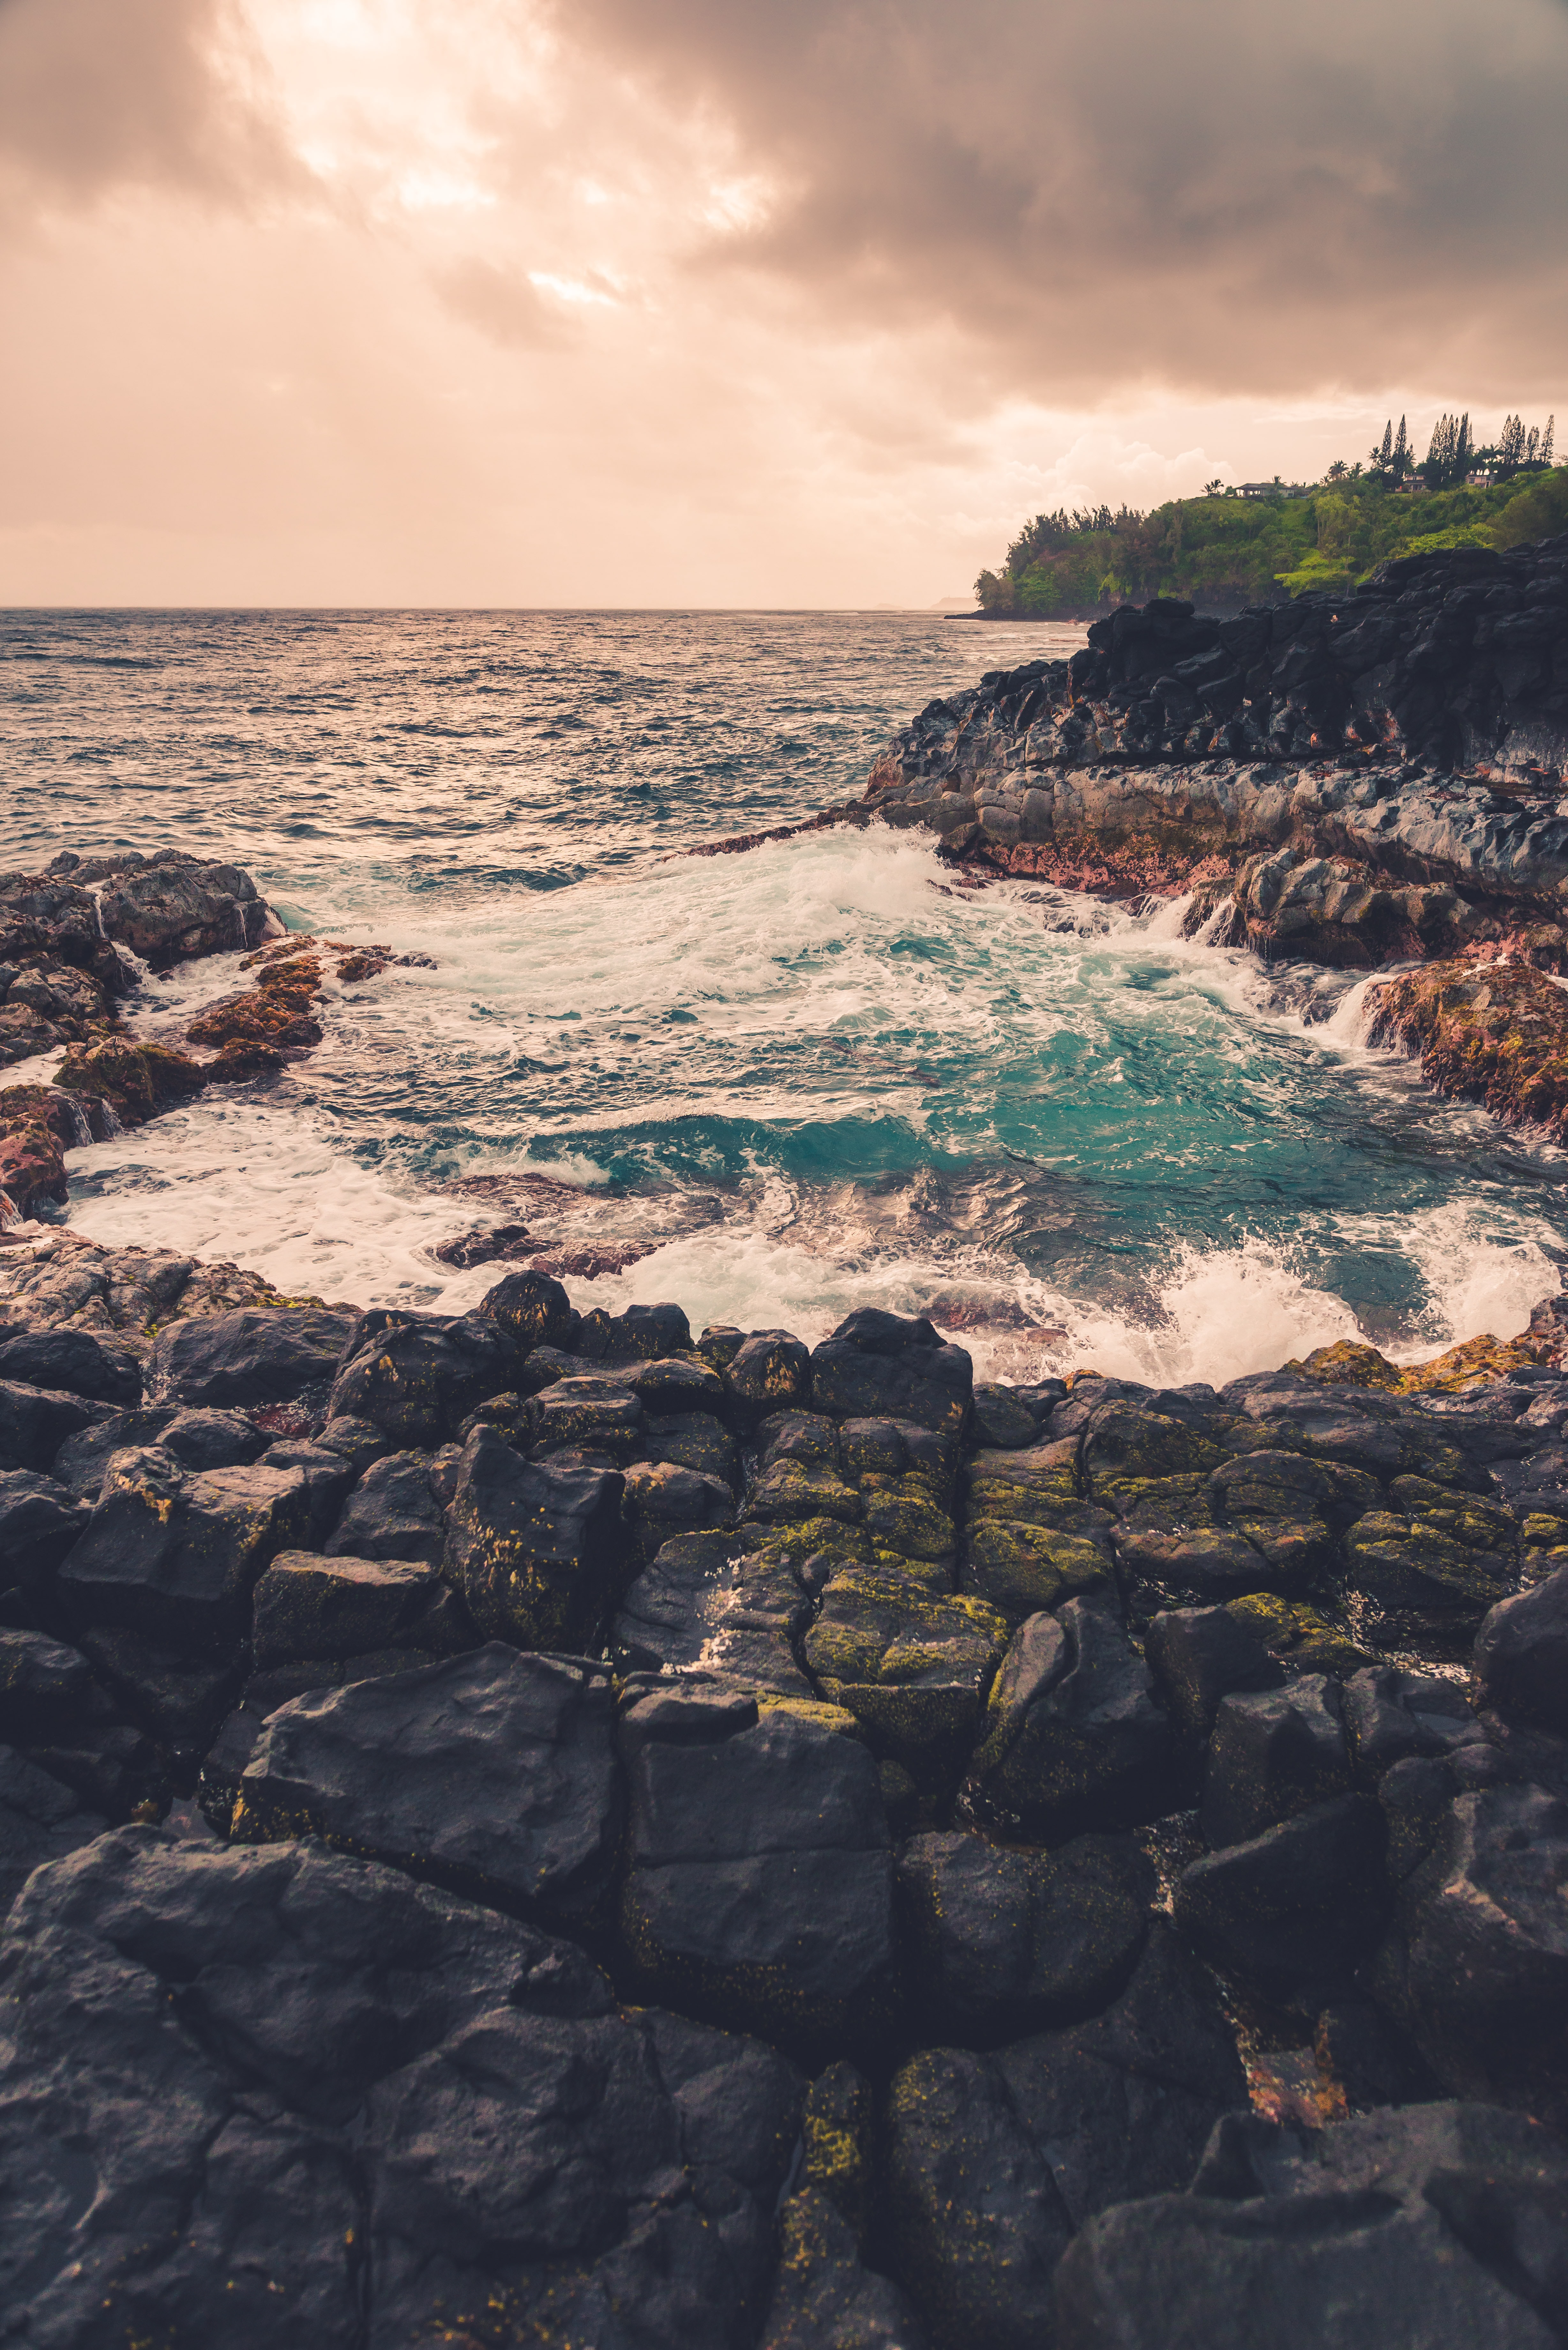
{"points": [[1495, 1033], [136, 1080]]}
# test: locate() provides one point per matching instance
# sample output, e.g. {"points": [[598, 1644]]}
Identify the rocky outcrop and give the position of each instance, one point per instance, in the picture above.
{"points": [[1496, 1032], [477, 1779], [1364, 779]]}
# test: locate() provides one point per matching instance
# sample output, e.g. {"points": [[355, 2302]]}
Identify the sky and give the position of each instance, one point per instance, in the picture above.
{"points": [[734, 302]]}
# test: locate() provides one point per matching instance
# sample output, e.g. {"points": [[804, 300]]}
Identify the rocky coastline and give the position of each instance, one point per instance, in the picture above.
{"points": [[534, 1827]]}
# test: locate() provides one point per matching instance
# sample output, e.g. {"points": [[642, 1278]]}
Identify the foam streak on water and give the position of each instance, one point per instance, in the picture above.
{"points": [[775, 1086]]}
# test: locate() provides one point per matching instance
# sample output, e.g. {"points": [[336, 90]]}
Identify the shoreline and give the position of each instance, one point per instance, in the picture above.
{"points": [[554, 1813]]}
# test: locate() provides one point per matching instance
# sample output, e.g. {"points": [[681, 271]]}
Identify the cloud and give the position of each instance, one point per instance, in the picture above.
{"points": [[502, 303], [99, 95], [1220, 198]]}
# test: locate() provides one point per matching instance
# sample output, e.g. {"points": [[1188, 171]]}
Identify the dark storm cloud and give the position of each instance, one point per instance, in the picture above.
{"points": [[1218, 195], [98, 95]]}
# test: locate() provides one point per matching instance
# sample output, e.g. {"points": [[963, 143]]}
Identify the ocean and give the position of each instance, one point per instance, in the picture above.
{"points": [[772, 1087]]}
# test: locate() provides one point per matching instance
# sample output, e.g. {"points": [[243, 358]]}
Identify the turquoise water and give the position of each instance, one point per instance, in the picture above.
{"points": [[772, 1085]]}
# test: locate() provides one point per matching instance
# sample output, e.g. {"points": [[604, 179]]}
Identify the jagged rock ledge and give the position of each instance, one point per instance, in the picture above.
{"points": [[544, 1828], [80, 942]]}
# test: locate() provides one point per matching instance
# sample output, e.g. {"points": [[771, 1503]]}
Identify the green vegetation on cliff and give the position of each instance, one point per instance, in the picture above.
{"points": [[1223, 550]]}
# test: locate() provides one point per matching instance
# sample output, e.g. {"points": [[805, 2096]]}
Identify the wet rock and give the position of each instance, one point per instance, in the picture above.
{"points": [[196, 1439], [417, 1380], [646, 1333], [538, 1552], [1287, 1506], [39, 1522], [707, 1600], [823, 2298], [879, 1365], [40, 1821], [530, 1310], [759, 1880], [255, 1357], [70, 1361], [590, 1415], [995, 2161], [174, 907], [1522, 1653], [391, 1513], [176, 1557], [769, 1373], [310, 1606], [1271, 1756], [1126, 1448], [1003, 1421], [695, 1439], [515, 2140], [136, 1081], [1492, 1033], [914, 1666], [1200, 1655], [327, 1477], [492, 1773], [1031, 1542], [1171, 1533], [837, 2142], [903, 1515], [35, 1422], [807, 1438], [791, 1490], [1001, 1940], [1430, 2229], [1390, 1715], [1427, 1584], [1074, 1738], [671, 1384], [1293, 1910], [355, 1441], [662, 1501], [1476, 1969], [1356, 2046]]}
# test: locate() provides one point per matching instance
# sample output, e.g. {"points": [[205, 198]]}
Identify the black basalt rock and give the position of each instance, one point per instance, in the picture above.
{"points": [[492, 1773], [1074, 1738], [73, 1361], [1522, 1653], [256, 1355], [537, 1551]]}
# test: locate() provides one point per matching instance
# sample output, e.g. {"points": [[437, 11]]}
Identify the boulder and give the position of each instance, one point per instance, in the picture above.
{"points": [[1000, 1940], [995, 2161], [40, 1820], [260, 1355], [1427, 1584], [492, 1773], [1272, 1754], [1074, 1738], [537, 1551], [708, 1600], [1390, 1715], [176, 1557], [1522, 1653], [175, 907], [695, 1439], [39, 1522], [1200, 1655], [593, 1414], [391, 1513], [824, 2297], [47, 1690], [178, 1700], [328, 1478], [1032, 1542], [35, 1422], [310, 1606], [759, 1883], [1292, 1911], [530, 1310], [912, 1664], [1432, 2229], [646, 1333], [880, 1366], [71, 1361], [418, 1379], [1476, 1969], [769, 1373], [515, 2142], [1002, 1420], [661, 1500]]}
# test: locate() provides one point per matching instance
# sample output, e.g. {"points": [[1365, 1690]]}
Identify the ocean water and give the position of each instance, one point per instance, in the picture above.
{"points": [[774, 1086]]}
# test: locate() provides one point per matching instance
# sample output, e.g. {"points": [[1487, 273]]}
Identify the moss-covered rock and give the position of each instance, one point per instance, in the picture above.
{"points": [[1126, 1448], [1020, 1569], [136, 1080], [792, 1492], [913, 1666]]}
